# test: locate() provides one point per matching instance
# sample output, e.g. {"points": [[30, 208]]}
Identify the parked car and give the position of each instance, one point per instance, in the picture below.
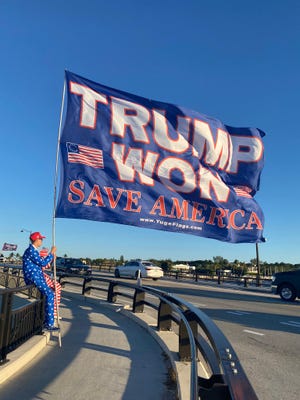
{"points": [[72, 265], [131, 270], [286, 284]]}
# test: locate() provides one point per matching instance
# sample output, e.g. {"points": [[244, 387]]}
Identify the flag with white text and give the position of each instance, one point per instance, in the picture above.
{"points": [[9, 247], [131, 160]]}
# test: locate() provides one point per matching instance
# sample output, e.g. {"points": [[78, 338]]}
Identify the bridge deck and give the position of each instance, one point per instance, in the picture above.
{"points": [[104, 355]]}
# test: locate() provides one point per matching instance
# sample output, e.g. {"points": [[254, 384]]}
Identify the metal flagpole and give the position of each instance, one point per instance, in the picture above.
{"points": [[54, 205], [257, 266]]}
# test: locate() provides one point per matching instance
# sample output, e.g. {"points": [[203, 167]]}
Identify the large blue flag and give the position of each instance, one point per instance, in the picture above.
{"points": [[130, 160]]}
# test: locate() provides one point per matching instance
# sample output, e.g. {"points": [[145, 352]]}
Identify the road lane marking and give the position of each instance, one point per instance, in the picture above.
{"points": [[253, 332], [295, 324], [200, 305], [238, 312]]}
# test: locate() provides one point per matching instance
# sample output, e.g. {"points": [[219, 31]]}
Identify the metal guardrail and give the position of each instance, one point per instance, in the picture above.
{"points": [[197, 275], [197, 334], [239, 280], [19, 323], [11, 277]]}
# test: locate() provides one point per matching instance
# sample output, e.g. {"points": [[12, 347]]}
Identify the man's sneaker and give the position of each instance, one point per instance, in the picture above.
{"points": [[51, 328]]}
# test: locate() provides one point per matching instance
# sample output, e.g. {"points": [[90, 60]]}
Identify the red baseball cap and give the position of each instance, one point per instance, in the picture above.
{"points": [[36, 235]]}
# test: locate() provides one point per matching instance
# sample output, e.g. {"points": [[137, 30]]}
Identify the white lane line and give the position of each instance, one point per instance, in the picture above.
{"points": [[253, 332], [200, 305], [295, 324], [238, 312]]}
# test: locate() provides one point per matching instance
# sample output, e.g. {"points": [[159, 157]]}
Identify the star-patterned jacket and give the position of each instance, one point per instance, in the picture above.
{"points": [[32, 261]]}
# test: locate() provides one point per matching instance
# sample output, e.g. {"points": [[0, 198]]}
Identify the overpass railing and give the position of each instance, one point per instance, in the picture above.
{"points": [[198, 337], [245, 280], [22, 315]]}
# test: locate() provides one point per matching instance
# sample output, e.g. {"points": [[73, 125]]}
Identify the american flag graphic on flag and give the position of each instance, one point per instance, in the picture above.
{"points": [[80, 154], [243, 191]]}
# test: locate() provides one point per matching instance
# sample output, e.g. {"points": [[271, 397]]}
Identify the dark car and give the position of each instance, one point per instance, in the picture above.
{"points": [[287, 284], [72, 266]]}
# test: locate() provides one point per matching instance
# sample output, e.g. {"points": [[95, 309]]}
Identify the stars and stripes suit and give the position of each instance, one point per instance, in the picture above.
{"points": [[57, 295], [33, 274]]}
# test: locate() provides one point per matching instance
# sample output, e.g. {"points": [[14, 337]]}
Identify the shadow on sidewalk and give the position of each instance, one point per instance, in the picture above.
{"points": [[104, 355]]}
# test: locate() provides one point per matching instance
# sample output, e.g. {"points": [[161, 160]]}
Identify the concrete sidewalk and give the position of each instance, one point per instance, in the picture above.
{"points": [[104, 355]]}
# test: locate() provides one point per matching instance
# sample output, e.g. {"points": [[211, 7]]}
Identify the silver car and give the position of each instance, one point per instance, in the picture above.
{"points": [[131, 270]]}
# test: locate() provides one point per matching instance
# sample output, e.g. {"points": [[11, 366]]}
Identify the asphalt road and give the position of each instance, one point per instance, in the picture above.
{"points": [[264, 331]]}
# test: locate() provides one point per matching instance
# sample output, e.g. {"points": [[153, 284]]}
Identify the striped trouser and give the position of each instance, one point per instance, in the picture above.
{"points": [[57, 295], [35, 276]]}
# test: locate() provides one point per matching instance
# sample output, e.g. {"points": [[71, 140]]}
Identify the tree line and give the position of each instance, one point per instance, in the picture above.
{"points": [[211, 266]]}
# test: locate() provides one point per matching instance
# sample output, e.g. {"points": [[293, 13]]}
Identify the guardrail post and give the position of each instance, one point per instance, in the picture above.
{"points": [[20, 279], [258, 280], [111, 296], [60, 280], [6, 278], [184, 343], [5, 325], [86, 288], [138, 301], [213, 388], [164, 321]]}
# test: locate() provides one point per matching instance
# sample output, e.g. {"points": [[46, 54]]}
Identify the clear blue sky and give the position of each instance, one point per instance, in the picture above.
{"points": [[233, 60]]}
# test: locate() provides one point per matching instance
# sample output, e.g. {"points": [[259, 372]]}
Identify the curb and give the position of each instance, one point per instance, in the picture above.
{"points": [[168, 341], [23, 355]]}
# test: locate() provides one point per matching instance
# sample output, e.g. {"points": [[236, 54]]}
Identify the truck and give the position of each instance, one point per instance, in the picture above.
{"points": [[69, 265], [286, 284]]}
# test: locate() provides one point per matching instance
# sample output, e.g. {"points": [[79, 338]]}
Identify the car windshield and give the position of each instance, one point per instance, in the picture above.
{"points": [[146, 263], [73, 262]]}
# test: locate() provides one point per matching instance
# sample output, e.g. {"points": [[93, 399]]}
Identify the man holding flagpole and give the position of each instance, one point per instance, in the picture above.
{"points": [[53, 284], [33, 274]]}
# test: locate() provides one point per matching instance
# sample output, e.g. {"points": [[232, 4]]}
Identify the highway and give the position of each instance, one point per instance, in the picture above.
{"points": [[264, 331]]}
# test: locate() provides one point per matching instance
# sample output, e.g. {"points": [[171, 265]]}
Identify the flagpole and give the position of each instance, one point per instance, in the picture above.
{"points": [[54, 206]]}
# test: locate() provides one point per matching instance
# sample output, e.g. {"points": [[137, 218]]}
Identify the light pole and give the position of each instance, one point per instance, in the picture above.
{"points": [[257, 266], [26, 230]]}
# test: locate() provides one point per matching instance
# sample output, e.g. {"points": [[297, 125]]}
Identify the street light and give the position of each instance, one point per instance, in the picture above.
{"points": [[257, 266], [26, 230]]}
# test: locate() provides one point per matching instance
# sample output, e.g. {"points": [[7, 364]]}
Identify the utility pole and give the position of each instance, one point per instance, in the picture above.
{"points": [[257, 266]]}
